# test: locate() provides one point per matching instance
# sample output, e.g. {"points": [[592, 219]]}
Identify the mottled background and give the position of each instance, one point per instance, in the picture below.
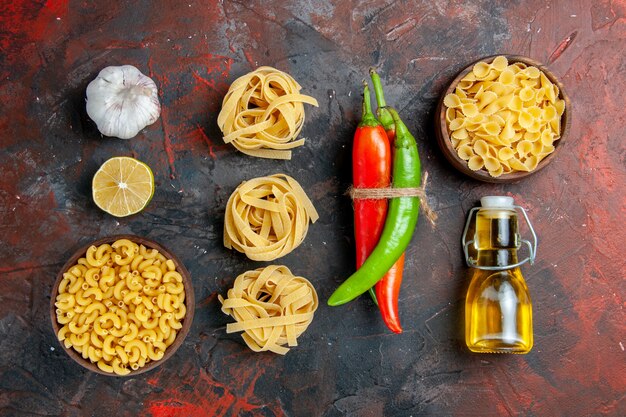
{"points": [[347, 362]]}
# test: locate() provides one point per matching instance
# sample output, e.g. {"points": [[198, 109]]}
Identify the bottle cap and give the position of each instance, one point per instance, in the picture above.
{"points": [[497, 201]]}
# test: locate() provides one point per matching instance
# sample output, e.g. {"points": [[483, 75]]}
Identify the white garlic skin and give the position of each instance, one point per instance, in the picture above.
{"points": [[122, 101]]}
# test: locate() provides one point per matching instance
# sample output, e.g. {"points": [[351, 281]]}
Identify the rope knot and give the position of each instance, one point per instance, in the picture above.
{"points": [[390, 192]]}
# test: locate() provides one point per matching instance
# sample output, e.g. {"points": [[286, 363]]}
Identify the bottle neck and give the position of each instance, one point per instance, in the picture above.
{"points": [[496, 238], [497, 257]]}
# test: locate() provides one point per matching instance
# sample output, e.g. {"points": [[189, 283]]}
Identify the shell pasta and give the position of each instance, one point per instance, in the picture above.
{"points": [[120, 306], [504, 117]]}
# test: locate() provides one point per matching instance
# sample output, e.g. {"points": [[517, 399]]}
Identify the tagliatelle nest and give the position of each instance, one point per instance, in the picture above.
{"points": [[272, 308], [267, 217], [263, 113]]}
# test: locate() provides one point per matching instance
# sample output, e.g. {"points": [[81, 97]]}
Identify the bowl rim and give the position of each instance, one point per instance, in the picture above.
{"points": [[443, 135], [189, 303]]}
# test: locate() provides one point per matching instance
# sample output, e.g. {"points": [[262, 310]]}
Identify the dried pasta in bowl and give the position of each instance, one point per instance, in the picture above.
{"points": [[121, 306], [504, 117]]}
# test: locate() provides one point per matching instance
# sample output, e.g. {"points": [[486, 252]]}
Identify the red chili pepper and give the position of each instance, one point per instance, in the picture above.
{"points": [[388, 288], [371, 168]]}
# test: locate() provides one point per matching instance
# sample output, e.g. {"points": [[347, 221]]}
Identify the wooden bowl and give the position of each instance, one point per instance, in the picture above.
{"points": [[443, 133], [189, 303]]}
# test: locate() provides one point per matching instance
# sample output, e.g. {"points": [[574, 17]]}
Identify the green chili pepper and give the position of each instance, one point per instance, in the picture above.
{"points": [[400, 224]]}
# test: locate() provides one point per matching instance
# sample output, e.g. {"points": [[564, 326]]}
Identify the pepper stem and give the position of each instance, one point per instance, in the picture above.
{"points": [[368, 118], [367, 104], [378, 88], [385, 118], [373, 295], [401, 129]]}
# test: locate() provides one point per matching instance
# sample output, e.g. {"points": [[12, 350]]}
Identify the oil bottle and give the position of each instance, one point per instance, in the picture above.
{"points": [[498, 310]]}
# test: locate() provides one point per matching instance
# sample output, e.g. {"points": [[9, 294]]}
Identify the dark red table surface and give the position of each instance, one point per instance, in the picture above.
{"points": [[347, 363]]}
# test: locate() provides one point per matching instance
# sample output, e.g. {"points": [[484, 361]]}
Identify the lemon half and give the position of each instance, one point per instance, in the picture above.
{"points": [[123, 186]]}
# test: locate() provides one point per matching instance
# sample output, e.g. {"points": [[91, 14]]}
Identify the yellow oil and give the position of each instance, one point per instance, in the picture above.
{"points": [[498, 310]]}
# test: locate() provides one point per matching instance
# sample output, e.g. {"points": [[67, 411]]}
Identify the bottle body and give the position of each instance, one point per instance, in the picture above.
{"points": [[498, 313], [498, 310]]}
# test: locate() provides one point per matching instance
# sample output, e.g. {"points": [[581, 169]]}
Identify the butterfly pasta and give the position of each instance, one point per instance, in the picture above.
{"points": [[504, 117], [263, 113], [267, 217], [272, 308]]}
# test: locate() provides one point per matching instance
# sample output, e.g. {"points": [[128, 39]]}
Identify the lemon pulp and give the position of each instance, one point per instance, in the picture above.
{"points": [[123, 186]]}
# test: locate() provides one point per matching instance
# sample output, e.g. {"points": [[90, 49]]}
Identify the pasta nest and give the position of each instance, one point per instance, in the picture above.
{"points": [[272, 308], [267, 217], [263, 113]]}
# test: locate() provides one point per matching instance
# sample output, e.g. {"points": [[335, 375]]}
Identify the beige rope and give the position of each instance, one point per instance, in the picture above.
{"points": [[388, 192]]}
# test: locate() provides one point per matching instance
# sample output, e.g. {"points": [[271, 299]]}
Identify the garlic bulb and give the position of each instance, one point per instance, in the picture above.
{"points": [[122, 101]]}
